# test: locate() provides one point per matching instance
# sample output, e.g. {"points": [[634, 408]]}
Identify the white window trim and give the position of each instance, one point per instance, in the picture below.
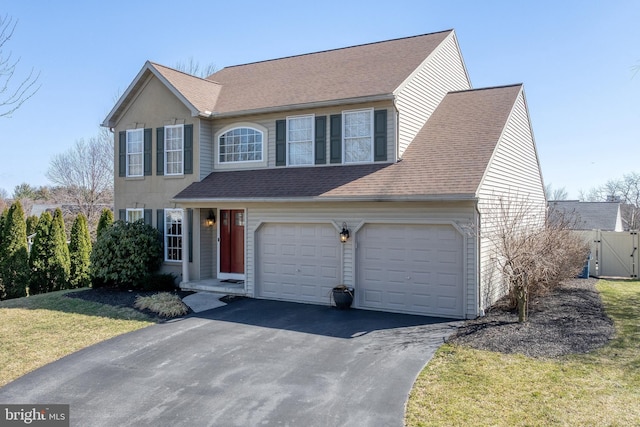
{"points": [[127, 153], [313, 134], [166, 151], [234, 162], [167, 235], [371, 131], [131, 210]]}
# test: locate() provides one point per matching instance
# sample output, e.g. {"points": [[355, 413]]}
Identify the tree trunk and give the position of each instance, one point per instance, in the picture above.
{"points": [[521, 298]]}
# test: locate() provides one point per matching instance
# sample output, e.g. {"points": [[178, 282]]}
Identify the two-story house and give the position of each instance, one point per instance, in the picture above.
{"points": [[371, 166]]}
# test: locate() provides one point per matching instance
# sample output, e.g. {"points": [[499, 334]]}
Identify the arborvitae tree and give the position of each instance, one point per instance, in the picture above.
{"points": [[61, 261], [14, 264], [32, 221], [80, 251], [40, 256], [3, 216], [106, 220]]}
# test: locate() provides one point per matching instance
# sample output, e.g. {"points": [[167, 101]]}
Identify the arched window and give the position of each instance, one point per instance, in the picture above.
{"points": [[241, 144]]}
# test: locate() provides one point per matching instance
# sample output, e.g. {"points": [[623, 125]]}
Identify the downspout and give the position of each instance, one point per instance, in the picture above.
{"points": [[478, 272]]}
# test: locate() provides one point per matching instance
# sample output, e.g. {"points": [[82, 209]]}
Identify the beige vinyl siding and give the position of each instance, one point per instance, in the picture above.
{"points": [[268, 121], [205, 148], [514, 175], [154, 107], [443, 71], [357, 215]]}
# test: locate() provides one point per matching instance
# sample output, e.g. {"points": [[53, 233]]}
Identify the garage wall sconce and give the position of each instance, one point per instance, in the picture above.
{"points": [[211, 219], [344, 234]]}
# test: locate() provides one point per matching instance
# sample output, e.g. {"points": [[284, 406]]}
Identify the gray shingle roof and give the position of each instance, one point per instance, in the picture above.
{"points": [[589, 215]]}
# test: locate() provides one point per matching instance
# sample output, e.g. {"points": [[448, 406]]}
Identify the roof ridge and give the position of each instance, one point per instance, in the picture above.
{"points": [[487, 88], [336, 49], [155, 64]]}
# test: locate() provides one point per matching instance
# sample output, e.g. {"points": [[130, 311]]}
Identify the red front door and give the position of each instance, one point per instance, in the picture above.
{"points": [[232, 241]]}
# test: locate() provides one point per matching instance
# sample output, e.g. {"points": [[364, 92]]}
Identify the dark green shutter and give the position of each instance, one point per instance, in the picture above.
{"points": [[122, 153], [188, 149], [160, 227], [380, 135], [122, 214], [335, 137], [147, 152], [321, 140], [281, 142], [148, 213], [190, 231], [160, 151]]}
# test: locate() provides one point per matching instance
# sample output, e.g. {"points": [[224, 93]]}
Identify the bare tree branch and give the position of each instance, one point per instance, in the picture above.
{"points": [[193, 67], [84, 175], [13, 94]]}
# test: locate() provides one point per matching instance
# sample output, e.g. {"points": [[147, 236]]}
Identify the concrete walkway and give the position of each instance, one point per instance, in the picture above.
{"points": [[250, 363]]}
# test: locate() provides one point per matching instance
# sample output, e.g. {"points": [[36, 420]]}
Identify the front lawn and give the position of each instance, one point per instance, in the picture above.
{"points": [[37, 330], [462, 386]]}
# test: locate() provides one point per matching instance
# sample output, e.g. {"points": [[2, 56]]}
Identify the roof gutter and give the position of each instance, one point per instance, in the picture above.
{"points": [[419, 198], [280, 108]]}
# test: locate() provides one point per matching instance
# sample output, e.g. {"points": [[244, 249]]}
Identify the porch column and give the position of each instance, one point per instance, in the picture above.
{"points": [[185, 246]]}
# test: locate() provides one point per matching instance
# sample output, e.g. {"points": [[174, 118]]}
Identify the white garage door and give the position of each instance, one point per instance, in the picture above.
{"points": [[410, 269], [297, 262]]}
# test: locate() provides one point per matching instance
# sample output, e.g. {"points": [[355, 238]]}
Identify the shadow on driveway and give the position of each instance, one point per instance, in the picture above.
{"points": [[314, 319], [252, 362]]}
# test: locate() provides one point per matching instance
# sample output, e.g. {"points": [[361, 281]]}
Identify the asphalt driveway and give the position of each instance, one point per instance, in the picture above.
{"points": [[251, 363]]}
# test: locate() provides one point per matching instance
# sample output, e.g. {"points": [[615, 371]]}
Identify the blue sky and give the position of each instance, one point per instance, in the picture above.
{"points": [[575, 59]]}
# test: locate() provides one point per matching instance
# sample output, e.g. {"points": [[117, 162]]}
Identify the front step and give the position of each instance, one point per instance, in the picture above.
{"points": [[218, 287]]}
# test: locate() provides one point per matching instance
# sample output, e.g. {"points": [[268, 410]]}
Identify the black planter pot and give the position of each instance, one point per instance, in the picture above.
{"points": [[343, 298]]}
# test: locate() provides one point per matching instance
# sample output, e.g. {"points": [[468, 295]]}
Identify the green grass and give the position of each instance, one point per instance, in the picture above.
{"points": [[462, 386], [40, 329]]}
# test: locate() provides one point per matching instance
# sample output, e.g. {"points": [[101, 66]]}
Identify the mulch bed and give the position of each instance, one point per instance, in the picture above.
{"points": [[569, 320], [121, 298]]}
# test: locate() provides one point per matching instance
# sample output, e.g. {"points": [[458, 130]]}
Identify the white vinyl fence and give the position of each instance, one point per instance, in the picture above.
{"points": [[613, 254]]}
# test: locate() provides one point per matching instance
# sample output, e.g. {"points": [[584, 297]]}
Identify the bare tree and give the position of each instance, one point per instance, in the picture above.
{"points": [[532, 257], [12, 93], [193, 67], [84, 175], [3, 199], [625, 190], [555, 193]]}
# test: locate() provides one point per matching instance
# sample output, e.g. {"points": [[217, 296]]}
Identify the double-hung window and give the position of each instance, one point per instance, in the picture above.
{"points": [[358, 136], [300, 140], [134, 215], [174, 149], [173, 234], [135, 145]]}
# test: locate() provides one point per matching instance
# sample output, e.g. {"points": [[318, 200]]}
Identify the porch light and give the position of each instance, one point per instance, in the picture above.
{"points": [[211, 219], [344, 234]]}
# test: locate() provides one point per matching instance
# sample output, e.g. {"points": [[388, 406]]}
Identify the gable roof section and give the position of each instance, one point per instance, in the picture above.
{"points": [[198, 95], [590, 215], [446, 160], [362, 71], [365, 72]]}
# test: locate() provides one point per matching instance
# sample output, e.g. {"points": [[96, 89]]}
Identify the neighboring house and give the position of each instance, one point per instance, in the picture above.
{"points": [[604, 216], [252, 173]]}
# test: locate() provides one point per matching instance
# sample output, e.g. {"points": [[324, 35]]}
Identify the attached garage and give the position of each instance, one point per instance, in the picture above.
{"points": [[410, 268], [297, 262]]}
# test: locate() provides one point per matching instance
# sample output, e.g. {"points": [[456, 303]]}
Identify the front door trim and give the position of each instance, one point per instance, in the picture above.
{"points": [[229, 275]]}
